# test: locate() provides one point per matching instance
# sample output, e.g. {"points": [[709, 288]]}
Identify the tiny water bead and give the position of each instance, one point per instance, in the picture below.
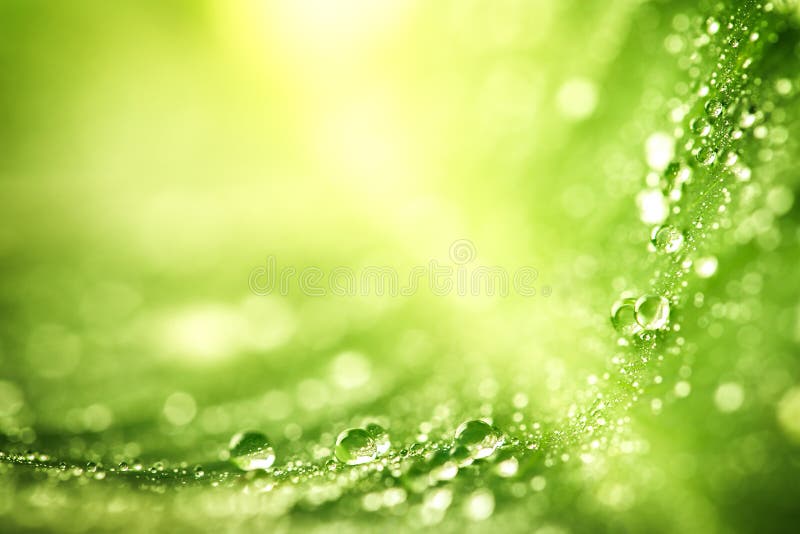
{"points": [[250, 451], [355, 446], [623, 317], [381, 437], [652, 312], [479, 438], [667, 239]]}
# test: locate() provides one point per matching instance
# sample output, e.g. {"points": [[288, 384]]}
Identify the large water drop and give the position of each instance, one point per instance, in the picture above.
{"points": [[652, 312], [251, 450], [667, 239], [355, 446], [623, 317], [714, 108], [478, 437]]}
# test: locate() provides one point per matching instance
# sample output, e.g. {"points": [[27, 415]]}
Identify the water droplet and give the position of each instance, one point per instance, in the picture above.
{"points": [[714, 108], [355, 446], [199, 472], [478, 437], [381, 437], [712, 26], [623, 317], [251, 450], [667, 239], [652, 312], [700, 126], [706, 155]]}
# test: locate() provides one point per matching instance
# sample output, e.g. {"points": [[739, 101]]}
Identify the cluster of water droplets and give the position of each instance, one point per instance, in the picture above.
{"points": [[473, 440], [697, 165], [647, 313]]}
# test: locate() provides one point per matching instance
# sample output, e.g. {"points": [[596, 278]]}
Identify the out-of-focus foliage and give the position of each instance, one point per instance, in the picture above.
{"points": [[158, 160]]}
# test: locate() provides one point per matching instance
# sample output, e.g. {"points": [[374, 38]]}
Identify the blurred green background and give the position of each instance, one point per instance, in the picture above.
{"points": [[153, 154]]}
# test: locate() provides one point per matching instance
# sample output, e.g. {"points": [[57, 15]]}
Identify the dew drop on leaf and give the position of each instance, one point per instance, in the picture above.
{"points": [[623, 317], [707, 156], [714, 108], [355, 446], [700, 126], [652, 312], [250, 451], [478, 437], [667, 239]]}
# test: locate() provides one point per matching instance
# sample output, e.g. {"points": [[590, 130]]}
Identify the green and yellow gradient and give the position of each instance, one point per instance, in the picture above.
{"points": [[153, 154]]}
